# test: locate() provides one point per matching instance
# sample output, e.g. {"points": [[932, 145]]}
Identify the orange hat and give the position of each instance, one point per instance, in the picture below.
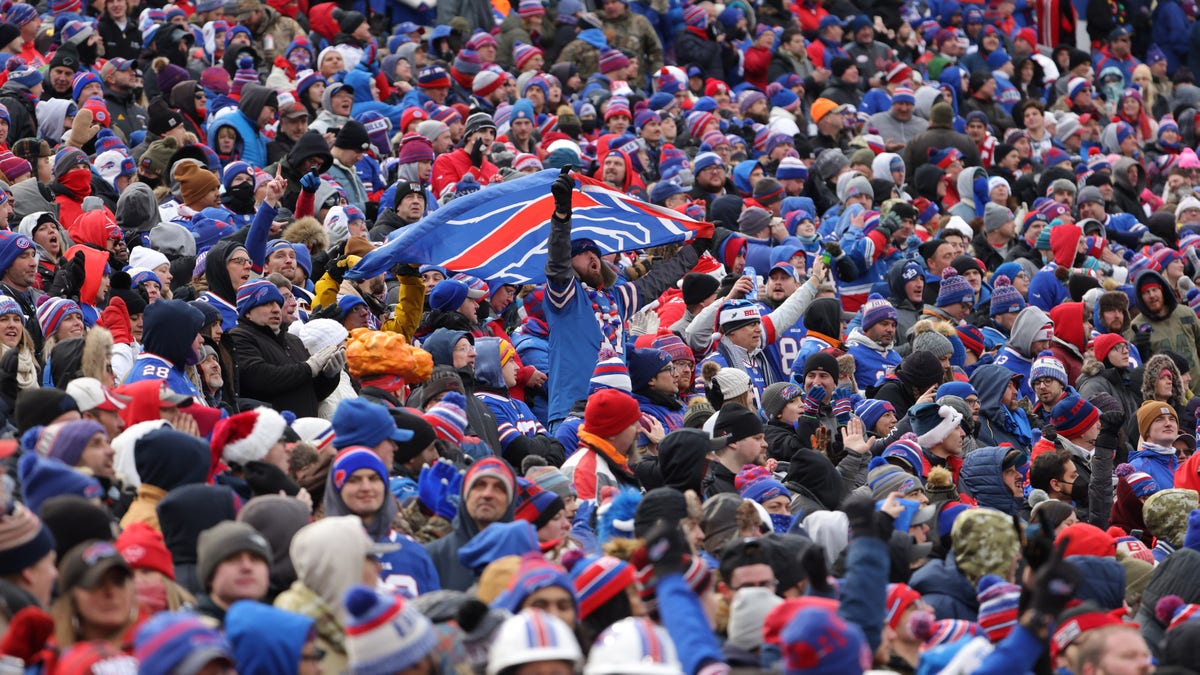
{"points": [[822, 107], [376, 352], [507, 352]]}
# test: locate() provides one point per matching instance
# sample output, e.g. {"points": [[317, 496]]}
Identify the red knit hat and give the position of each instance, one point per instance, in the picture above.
{"points": [[1087, 539], [609, 412], [1102, 345], [143, 548]]}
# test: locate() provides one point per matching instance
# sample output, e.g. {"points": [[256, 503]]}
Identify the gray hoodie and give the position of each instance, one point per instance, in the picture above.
{"points": [[137, 209], [1029, 321]]}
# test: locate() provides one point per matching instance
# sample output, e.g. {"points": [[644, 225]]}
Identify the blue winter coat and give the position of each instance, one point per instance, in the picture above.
{"points": [[170, 328], [946, 590], [981, 477], [1160, 466], [1169, 29]]}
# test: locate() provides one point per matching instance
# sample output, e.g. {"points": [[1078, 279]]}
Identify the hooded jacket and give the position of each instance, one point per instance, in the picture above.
{"points": [[1017, 355], [907, 313], [1127, 195], [982, 479], [183, 99], [186, 512], [168, 332], [1069, 342], [480, 420], [871, 360], [998, 424], [137, 213], [946, 590], [265, 639], [22, 111], [47, 263], [444, 552], [514, 418], [252, 142], [1175, 328], [971, 201]]}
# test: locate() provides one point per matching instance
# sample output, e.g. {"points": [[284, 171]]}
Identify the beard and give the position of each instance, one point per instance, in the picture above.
{"points": [[214, 382]]}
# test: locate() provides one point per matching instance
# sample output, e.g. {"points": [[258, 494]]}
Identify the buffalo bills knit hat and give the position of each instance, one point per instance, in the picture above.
{"points": [[877, 309], [1073, 415], [954, 289], [385, 633], [1005, 297], [1045, 365]]}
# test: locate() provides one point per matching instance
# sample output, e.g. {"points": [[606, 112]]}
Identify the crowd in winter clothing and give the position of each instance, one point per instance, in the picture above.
{"points": [[912, 393]]}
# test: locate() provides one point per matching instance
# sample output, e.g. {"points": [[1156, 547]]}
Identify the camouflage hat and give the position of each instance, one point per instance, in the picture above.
{"points": [[984, 543], [1166, 513]]}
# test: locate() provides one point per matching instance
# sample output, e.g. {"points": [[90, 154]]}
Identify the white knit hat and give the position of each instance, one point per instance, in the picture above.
{"points": [[248, 436], [315, 430], [317, 334], [123, 461], [140, 256], [384, 633]]}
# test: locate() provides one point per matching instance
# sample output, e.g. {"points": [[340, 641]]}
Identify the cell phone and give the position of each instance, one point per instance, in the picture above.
{"points": [[751, 274]]}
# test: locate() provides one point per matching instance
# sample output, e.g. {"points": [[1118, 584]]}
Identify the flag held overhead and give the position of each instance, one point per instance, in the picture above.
{"points": [[501, 232]]}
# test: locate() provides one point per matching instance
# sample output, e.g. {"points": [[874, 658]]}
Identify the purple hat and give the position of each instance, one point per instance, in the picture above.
{"points": [[877, 309]]}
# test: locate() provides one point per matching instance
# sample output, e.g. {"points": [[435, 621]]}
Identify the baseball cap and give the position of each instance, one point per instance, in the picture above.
{"points": [[89, 394], [85, 565]]}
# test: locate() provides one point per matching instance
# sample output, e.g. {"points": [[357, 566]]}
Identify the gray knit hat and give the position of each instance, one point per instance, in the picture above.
{"points": [[224, 540], [753, 220], [933, 342], [994, 216], [778, 395]]}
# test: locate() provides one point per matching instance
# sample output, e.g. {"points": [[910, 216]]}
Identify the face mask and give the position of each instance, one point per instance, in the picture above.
{"points": [[780, 523], [78, 181], [589, 125], [152, 182], [241, 197]]}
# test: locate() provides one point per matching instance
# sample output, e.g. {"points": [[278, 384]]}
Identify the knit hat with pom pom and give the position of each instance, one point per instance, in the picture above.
{"points": [[385, 633], [954, 289], [248, 436], [1005, 297]]}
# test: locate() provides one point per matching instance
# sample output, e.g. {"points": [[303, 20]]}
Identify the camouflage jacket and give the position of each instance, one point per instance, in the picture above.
{"points": [[585, 57], [633, 32]]}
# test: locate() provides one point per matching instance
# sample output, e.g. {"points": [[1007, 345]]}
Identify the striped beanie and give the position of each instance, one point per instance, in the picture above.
{"points": [[954, 289], [355, 458], [525, 161], [256, 293], [448, 417], [908, 450], [598, 580], [1005, 297], [610, 373], [944, 632], [495, 468], [528, 9], [618, 106], [998, 600], [24, 540], [433, 77], [51, 313], [696, 17], [551, 479], [523, 53], [1045, 365], [1142, 484], [869, 410], [899, 598], [612, 60], [314, 430], [697, 121], [791, 168], [877, 309], [385, 633], [758, 484], [971, 338], [1174, 612]]}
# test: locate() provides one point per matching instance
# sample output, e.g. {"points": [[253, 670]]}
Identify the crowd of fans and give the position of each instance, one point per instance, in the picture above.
{"points": [[913, 397]]}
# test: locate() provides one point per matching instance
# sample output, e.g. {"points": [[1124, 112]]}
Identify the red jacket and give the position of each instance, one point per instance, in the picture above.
{"points": [[755, 64], [450, 167]]}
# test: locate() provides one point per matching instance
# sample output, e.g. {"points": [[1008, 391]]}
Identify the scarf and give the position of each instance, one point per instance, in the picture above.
{"points": [[1017, 424], [605, 448], [1156, 449], [535, 327], [607, 318]]}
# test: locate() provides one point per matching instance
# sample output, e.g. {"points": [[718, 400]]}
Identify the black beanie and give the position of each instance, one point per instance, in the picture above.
{"points": [[823, 362], [736, 422], [349, 22], [74, 519], [41, 406], [697, 287], [839, 66], [1078, 284], [920, 370], [658, 504], [423, 435]]}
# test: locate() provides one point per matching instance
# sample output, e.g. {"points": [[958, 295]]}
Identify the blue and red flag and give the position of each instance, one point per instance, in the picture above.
{"points": [[501, 232]]}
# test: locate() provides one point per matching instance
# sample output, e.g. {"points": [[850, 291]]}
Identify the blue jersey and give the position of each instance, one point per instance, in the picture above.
{"points": [[409, 569], [783, 351], [152, 367], [513, 417], [870, 366]]}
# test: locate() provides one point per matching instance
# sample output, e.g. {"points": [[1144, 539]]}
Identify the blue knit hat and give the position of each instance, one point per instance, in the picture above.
{"points": [[871, 409], [907, 449], [448, 295], [791, 168], [1073, 415], [1005, 297], [43, 477], [533, 574], [819, 642], [758, 484], [255, 294], [962, 390], [877, 309], [644, 364], [954, 289], [178, 642], [232, 170], [1045, 365], [352, 459]]}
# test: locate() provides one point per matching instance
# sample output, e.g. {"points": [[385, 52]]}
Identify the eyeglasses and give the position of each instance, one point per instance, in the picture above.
{"points": [[1123, 348], [465, 349], [240, 261]]}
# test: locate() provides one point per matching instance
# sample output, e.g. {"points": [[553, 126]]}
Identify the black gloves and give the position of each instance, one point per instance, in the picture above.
{"points": [[76, 274], [665, 548], [1141, 340], [865, 521], [562, 189], [1110, 425], [477, 153], [1055, 584]]}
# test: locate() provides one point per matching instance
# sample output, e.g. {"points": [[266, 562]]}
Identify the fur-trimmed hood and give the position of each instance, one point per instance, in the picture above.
{"points": [[307, 231], [1154, 366], [1091, 367]]}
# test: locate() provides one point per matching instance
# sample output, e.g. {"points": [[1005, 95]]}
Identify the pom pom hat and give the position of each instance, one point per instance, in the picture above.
{"points": [[248, 436]]}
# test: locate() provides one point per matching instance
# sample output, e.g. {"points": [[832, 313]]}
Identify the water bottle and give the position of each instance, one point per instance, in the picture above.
{"points": [[752, 274]]}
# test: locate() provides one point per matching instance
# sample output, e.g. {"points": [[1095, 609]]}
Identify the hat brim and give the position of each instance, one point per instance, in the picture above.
{"points": [[401, 435], [95, 574], [197, 659]]}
